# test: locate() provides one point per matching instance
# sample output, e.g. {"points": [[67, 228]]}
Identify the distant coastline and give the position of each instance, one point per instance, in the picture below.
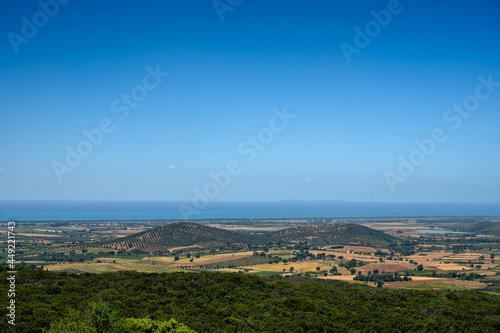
{"points": [[139, 210]]}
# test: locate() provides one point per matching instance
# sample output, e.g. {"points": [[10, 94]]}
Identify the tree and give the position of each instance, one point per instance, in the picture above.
{"points": [[341, 257], [291, 269], [478, 267], [318, 268], [420, 267], [380, 283], [375, 271], [176, 258], [352, 271], [492, 256], [146, 325], [100, 318]]}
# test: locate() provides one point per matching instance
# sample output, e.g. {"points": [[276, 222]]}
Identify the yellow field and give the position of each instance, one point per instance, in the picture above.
{"points": [[434, 282], [343, 277], [448, 267], [429, 255], [206, 259], [388, 267], [302, 266]]}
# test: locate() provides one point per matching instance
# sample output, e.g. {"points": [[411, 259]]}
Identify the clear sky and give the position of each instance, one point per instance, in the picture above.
{"points": [[352, 94]]}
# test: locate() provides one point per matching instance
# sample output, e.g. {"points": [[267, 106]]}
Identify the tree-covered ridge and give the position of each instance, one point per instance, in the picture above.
{"points": [[348, 233], [199, 237], [183, 234], [215, 302], [483, 227]]}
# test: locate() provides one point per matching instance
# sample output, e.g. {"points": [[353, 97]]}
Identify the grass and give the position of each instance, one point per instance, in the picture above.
{"points": [[138, 257]]}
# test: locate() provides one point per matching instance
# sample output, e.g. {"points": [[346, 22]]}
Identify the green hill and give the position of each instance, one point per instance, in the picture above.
{"points": [[182, 235], [483, 227], [335, 234], [199, 237]]}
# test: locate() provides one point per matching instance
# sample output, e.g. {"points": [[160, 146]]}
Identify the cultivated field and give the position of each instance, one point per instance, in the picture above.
{"points": [[65, 247]]}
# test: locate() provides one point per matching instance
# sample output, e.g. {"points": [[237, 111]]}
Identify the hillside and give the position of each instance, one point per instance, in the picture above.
{"points": [[198, 237], [335, 234], [483, 227], [182, 235]]}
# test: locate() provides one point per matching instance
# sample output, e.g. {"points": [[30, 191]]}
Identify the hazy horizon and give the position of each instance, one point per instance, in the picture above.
{"points": [[160, 210]]}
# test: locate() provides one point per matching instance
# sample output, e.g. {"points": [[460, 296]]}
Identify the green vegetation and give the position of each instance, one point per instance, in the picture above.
{"points": [[352, 263], [281, 299], [215, 302], [483, 227], [184, 234], [100, 318], [456, 275], [344, 234], [199, 237], [72, 256], [376, 278]]}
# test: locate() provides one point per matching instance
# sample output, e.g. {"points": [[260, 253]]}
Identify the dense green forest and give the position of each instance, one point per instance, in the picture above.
{"points": [[215, 302]]}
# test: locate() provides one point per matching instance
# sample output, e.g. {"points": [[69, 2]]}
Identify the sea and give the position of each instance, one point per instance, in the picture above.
{"points": [[157, 210]]}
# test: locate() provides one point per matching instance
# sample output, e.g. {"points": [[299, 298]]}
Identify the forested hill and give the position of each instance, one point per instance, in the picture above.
{"points": [[335, 234], [483, 227], [194, 236], [183, 235]]}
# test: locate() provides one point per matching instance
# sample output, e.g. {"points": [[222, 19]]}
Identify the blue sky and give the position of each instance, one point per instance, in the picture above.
{"points": [[353, 120]]}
